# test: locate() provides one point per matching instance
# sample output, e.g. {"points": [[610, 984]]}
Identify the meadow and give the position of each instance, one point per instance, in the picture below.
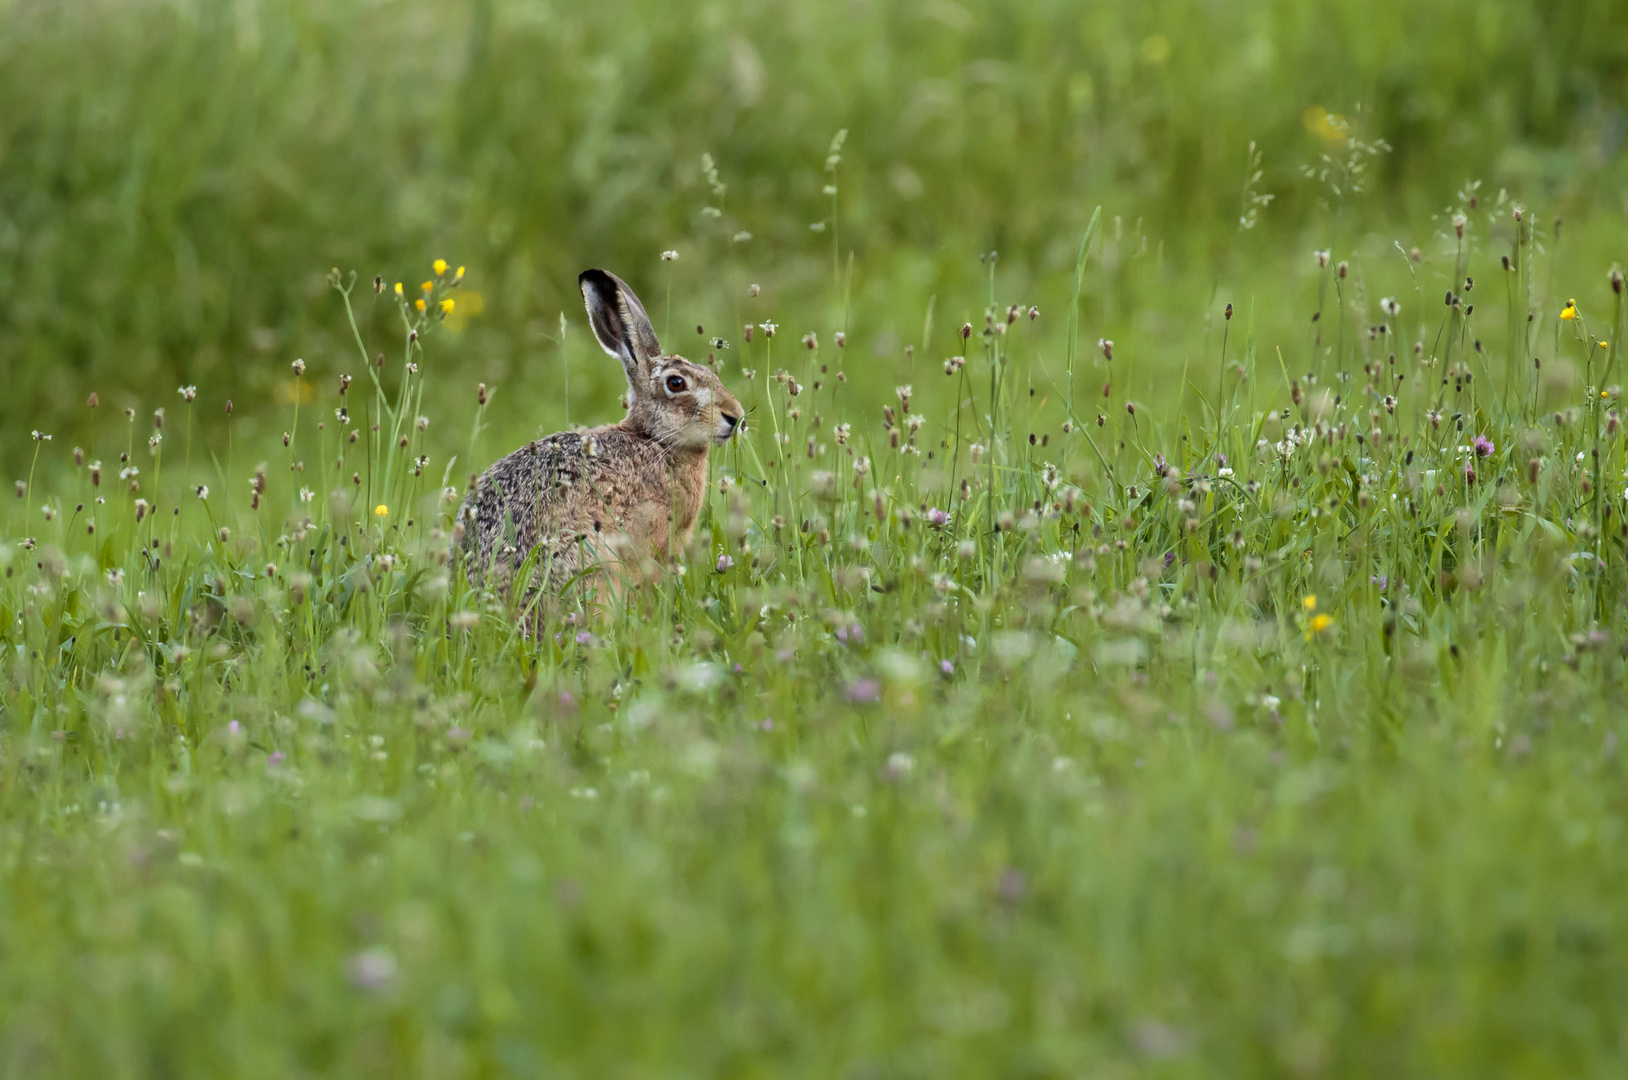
{"points": [[1164, 614]]}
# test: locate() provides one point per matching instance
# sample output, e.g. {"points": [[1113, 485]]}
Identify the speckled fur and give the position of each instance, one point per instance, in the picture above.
{"points": [[608, 498]]}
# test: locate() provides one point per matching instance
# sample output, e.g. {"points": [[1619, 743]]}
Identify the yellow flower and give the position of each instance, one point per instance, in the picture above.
{"points": [[439, 266], [1569, 311], [1331, 127], [1310, 603], [427, 286], [447, 306], [398, 288], [459, 276], [419, 304], [1319, 623], [381, 510]]}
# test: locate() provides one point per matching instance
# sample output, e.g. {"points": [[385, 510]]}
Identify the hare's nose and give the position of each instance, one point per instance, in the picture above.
{"points": [[732, 421]]}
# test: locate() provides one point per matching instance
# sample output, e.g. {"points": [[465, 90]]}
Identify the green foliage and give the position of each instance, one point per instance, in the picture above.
{"points": [[1239, 694], [178, 176]]}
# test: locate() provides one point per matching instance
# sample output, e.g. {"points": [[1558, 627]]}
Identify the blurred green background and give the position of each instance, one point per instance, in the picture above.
{"points": [[177, 176]]}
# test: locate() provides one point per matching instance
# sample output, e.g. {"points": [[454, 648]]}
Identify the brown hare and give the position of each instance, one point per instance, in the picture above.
{"points": [[608, 498]]}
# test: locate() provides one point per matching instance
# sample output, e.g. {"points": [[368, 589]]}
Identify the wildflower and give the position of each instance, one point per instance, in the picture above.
{"points": [[427, 286], [1107, 348], [202, 491], [724, 563], [458, 276], [22, 489], [669, 256], [381, 511], [1389, 306], [1569, 312], [418, 305], [1482, 446], [447, 306], [399, 292], [841, 340], [439, 266], [810, 341], [1309, 602], [40, 436], [188, 394], [93, 400], [865, 692], [373, 970], [1318, 624], [937, 518], [769, 328], [946, 668]]}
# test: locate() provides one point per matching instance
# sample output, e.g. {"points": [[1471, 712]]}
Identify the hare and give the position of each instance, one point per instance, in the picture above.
{"points": [[610, 497]]}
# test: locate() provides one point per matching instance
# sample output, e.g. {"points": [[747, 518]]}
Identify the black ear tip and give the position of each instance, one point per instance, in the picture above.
{"points": [[595, 279]]}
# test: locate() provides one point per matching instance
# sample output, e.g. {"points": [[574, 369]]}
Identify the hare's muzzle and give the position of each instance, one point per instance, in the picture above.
{"points": [[726, 426]]}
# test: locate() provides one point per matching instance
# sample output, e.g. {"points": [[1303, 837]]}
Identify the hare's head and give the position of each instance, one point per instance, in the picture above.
{"points": [[674, 402]]}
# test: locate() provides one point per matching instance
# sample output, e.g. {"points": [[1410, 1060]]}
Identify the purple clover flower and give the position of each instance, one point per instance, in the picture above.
{"points": [[865, 692]]}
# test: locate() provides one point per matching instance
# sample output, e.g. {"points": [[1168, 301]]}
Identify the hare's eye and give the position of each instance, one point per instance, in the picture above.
{"points": [[676, 384]]}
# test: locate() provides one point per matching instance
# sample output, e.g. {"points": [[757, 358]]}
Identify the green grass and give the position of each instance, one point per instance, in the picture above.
{"points": [[1120, 760]]}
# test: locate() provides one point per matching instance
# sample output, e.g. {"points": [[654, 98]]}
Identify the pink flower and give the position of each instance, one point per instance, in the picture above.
{"points": [[865, 692], [1483, 446], [724, 563], [937, 518]]}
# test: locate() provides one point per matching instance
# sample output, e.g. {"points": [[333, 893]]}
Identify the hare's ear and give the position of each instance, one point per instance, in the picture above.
{"points": [[619, 322]]}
